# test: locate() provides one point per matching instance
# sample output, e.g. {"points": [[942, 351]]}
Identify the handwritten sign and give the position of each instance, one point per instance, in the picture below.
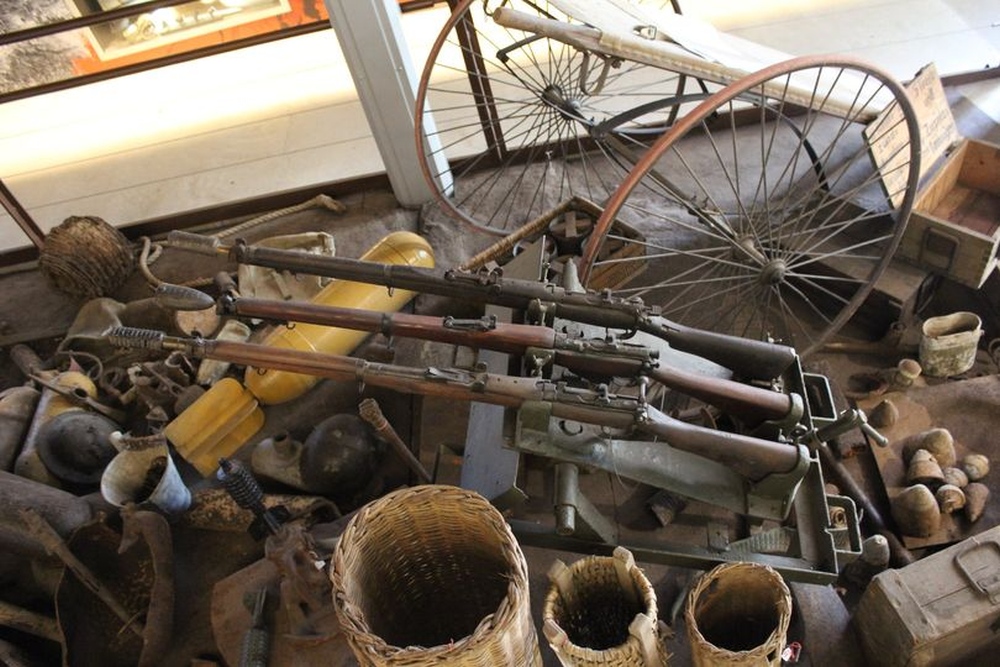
{"points": [[888, 137]]}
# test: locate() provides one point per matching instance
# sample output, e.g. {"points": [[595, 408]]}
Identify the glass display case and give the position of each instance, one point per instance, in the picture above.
{"points": [[48, 45], [167, 25]]}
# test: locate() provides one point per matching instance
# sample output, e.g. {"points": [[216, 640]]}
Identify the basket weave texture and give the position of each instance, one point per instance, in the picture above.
{"points": [[601, 611], [738, 614], [432, 575], [85, 256]]}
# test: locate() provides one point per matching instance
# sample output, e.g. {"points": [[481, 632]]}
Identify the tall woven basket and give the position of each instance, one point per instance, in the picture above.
{"points": [[737, 615], [432, 575], [602, 611]]}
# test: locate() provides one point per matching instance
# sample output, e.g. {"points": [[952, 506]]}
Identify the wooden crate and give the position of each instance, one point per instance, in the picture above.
{"points": [[954, 228], [941, 610]]}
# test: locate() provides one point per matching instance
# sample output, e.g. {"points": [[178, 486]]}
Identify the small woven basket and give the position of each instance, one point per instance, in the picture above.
{"points": [[738, 614], [602, 611], [432, 575], [84, 256]]}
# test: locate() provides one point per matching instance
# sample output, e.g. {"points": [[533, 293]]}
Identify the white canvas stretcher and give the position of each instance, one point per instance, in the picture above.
{"points": [[687, 46]]}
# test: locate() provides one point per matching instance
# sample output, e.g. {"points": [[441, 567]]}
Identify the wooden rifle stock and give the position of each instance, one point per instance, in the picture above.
{"points": [[752, 405], [747, 358], [503, 337], [753, 458]]}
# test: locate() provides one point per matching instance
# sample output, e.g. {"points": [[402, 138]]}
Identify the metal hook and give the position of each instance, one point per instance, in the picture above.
{"points": [[607, 63]]}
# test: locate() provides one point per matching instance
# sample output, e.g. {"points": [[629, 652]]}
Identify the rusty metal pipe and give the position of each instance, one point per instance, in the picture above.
{"points": [[64, 511], [31, 622]]}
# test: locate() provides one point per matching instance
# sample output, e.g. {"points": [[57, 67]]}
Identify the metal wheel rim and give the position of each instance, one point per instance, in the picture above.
{"points": [[670, 144], [562, 160]]}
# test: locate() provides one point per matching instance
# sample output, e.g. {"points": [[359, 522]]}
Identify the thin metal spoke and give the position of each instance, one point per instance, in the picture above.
{"points": [[790, 202], [682, 293]]}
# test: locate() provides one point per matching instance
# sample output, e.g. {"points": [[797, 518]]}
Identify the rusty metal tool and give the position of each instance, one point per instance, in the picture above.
{"points": [[31, 622], [47, 535], [241, 485], [257, 640], [371, 412]]}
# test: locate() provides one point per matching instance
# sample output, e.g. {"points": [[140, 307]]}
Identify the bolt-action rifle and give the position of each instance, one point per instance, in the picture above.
{"points": [[593, 358], [752, 458], [748, 359]]}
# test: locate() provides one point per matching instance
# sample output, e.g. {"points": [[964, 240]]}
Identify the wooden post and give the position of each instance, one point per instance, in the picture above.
{"points": [[21, 216]]}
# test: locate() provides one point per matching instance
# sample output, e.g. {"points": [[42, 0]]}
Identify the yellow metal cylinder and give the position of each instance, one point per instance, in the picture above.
{"points": [[221, 421], [272, 387]]}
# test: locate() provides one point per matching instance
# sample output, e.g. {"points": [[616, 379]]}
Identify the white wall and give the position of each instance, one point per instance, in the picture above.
{"points": [[284, 115]]}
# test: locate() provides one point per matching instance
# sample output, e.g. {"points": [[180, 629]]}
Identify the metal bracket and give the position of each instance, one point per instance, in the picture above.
{"points": [[788, 423], [537, 358], [657, 464], [774, 494], [575, 514], [484, 323]]}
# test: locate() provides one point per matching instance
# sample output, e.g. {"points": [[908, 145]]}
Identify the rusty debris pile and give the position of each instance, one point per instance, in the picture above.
{"points": [[237, 471]]}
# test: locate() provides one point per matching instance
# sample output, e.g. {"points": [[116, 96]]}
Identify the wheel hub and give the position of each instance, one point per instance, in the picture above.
{"points": [[554, 96], [774, 272]]}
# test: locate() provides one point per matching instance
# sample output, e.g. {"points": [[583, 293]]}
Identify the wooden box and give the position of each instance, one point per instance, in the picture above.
{"points": [[954, 228], [941, 610]]}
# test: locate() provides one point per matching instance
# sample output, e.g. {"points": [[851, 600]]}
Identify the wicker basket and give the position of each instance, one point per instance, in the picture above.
{"points": [[602, 611], [432, 575], [85, 256], [738, 614]]}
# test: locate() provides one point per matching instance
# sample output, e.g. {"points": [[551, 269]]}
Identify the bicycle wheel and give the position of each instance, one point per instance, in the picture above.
{"points": [[509, 124], [762, 212]]}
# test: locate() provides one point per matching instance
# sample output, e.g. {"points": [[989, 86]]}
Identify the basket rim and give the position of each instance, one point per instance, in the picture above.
{"points": [[513, 613], [784, 604], [631, 644]]}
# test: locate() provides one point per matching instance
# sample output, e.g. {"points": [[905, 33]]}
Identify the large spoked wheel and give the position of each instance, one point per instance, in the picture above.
{"points": [[510, 124], [762, 211]]}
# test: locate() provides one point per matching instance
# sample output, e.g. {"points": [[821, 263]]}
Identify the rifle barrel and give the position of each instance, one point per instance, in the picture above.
{"points": [[503, 337], [752, 457], [752, 405], [747, 358]]}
